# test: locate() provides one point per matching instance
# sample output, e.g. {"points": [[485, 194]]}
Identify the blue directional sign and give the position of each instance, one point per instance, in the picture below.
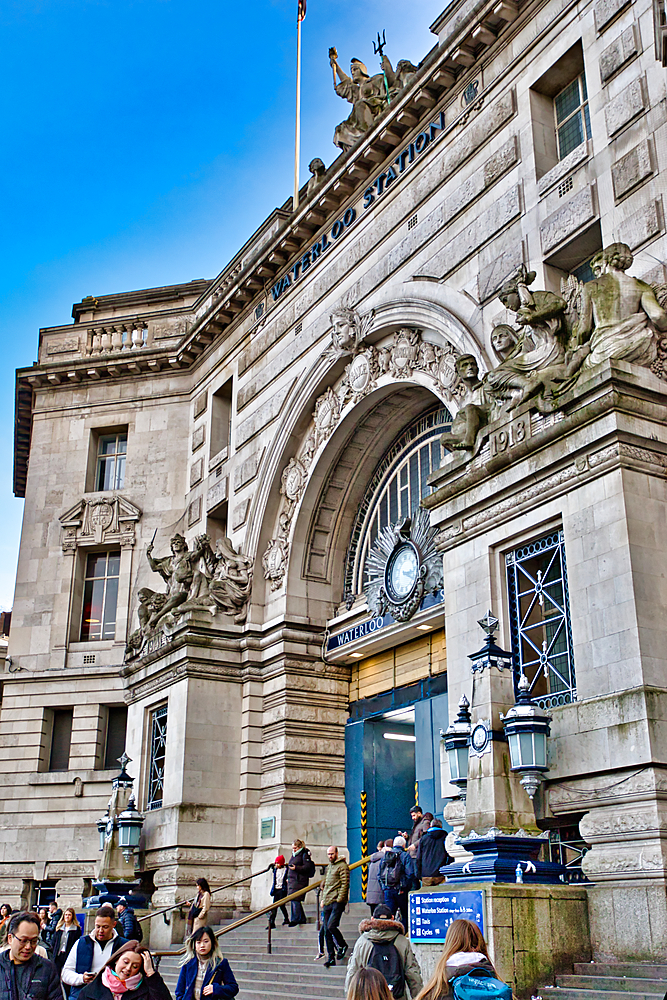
{"points": [[431, 913]]}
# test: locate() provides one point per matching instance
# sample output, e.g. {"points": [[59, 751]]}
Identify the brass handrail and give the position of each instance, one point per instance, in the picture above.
{"points": [[265, 909], [189, 902]]}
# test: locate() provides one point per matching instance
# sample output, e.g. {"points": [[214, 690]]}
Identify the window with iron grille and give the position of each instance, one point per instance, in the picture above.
{"points": [[100, 596], [157, 758], [573, 123], [110, 469], [540, 619]]}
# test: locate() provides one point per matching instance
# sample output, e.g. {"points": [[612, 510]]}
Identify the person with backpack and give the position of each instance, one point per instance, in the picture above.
{"points": [[431, 854], [396, 877], [382, 945], [374, 891], [464, 970], [300, 870], [129, 925]]}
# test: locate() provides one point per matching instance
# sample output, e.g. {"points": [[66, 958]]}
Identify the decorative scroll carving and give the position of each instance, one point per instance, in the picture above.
{"points": [[101, 521]]}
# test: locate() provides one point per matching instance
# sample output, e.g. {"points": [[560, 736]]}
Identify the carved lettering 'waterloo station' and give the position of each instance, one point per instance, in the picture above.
{"points": [[259, 562]]}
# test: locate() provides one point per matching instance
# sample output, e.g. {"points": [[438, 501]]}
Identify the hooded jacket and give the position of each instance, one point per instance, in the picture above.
{"points": [[431, 853], [374, 891], [38, 978], [336, 882], [380, 930], [299, 876]]}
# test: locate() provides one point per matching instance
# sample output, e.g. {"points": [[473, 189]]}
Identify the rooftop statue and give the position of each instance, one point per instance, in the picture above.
{"points": [[619, 314], [368, 95], [318, 170]]}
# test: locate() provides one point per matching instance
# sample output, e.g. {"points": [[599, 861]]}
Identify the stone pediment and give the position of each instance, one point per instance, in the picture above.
{"points": [[100, 520]]}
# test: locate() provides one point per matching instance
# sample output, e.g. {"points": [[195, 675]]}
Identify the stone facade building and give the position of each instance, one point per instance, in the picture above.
{"points": [[291, 410]]}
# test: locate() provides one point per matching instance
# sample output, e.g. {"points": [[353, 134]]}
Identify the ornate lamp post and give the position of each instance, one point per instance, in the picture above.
{"points": [[527, 728], [120, 827], [457, 743], [129, 825]]}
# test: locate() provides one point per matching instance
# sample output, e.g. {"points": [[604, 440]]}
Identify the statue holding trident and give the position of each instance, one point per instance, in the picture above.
{"points": [[368, 95]]}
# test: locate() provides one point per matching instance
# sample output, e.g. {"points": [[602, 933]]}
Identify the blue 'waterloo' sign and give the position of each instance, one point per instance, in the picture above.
{"points": [[376, 624], [376, 190], [431, 913]]}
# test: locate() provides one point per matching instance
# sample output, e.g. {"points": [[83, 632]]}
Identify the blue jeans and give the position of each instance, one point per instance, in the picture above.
{"points": [[331, 915], [298, 916], [398, 900]]}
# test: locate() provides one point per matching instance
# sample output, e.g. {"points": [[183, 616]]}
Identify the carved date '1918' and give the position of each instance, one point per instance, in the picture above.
{"points": [[518, 431]]}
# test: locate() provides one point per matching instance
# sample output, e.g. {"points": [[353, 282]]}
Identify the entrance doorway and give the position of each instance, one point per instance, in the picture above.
{"points": [[392, 760]]}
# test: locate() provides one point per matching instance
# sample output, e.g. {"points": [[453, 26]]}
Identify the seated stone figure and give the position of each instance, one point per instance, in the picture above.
{"points": [[475, 410], [535, 360], [619, 314]]}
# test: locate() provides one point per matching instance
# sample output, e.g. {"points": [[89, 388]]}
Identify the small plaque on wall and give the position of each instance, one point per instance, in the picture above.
{"points": [[268, 829]]}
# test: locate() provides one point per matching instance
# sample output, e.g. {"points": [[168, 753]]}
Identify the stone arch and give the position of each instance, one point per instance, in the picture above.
{"points": [[295, 537]]}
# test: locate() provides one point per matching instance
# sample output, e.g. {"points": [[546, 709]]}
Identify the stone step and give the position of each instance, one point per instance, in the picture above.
{"points": [[250, 994], [630, 970], [267, 982], [562, 993], [657, 987]]}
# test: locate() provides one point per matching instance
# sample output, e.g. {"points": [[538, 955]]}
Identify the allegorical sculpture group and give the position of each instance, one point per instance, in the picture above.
{"points": [[557, 338], [197, 579], [368, 95]]}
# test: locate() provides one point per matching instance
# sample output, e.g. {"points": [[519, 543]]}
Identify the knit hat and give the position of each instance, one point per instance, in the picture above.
{"points": [[280, 860], [382, 911], [399, 841]]}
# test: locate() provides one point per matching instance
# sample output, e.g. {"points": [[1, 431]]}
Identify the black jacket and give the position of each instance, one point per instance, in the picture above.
{"points": [[37, 979], [431, 853], [299, 876], [58, 956], [221, 979], [150, 988], [129, 924]]}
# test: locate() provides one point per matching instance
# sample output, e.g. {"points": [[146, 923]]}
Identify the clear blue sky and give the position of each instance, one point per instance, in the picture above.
{"points": [[145, 141]]}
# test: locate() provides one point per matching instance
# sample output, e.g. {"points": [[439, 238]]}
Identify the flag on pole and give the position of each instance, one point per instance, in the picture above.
{"points": [[302, 10]]}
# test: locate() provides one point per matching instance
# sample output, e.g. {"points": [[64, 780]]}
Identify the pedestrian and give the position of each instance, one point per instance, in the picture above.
{"points": [[44, 938], [395, 877], [129, 925], [129, 970], [300, 870], [368, 984], [198, 915], [65, 936], [334, 900], [418, 825], [382, 945], [5, 917], [54, 915], [204, 972], [22, 972], [374, 893], [431, 854], [279, 890], [464, 951], [90, 953]]}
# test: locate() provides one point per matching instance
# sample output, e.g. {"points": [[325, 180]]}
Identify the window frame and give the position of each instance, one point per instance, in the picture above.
{"points": [[157, 738], [541, 665], [119, 457], [581, 110], [61, 713], [85, 579]]}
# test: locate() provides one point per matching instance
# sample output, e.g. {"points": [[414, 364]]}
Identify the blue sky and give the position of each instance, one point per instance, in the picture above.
{"points": [[145, 142]]}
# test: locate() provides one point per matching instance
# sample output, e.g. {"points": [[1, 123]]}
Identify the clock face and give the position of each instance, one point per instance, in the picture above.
{"points": [[402, 572], [479, 738]]}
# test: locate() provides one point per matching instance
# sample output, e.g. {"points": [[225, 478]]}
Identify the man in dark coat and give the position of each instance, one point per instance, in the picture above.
{"points": [[129, 925], [300, 869], [22, 972], [55, 913], [431, 854]]}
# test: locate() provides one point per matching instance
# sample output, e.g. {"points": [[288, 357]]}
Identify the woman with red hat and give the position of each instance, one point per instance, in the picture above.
{"points": [[279, 889]]}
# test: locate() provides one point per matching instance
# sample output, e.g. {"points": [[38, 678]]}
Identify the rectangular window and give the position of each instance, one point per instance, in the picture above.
{"points": [[157, 758], [221, 421], [100, 596], [573, 123], [110, 469], [61, 739], [115, 741], [540, 619]]}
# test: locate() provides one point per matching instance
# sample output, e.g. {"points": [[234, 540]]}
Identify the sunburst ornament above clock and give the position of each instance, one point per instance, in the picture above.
{"points": [[402, 567]]}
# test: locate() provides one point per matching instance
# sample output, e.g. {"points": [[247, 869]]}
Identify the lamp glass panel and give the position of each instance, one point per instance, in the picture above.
{"points": [[462, 754], [513, 741], [526, 750], [540, 742], [452, 756]]}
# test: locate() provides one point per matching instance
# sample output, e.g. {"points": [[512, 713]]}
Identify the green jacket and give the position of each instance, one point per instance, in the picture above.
{"points": [[336, 883]]}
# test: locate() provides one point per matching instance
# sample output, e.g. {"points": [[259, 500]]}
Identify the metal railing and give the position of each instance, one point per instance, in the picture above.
{"points": [[189, 902], [314, 886]]}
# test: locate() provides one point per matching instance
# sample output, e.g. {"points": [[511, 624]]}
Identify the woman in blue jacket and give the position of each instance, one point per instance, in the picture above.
{"points": [[204, 972]]}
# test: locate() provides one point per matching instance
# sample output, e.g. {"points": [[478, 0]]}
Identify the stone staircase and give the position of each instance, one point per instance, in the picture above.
{"points": [[289, 972], [617, 981]]}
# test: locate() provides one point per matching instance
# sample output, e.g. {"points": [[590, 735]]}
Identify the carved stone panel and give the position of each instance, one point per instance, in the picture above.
{"points": [[109, 520]]}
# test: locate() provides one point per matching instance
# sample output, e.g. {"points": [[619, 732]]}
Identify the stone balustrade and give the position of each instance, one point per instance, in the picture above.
{"points": [[104, 340]]}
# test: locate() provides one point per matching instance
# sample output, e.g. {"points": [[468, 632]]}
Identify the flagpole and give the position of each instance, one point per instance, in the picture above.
{"points": [[297, 134]]}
